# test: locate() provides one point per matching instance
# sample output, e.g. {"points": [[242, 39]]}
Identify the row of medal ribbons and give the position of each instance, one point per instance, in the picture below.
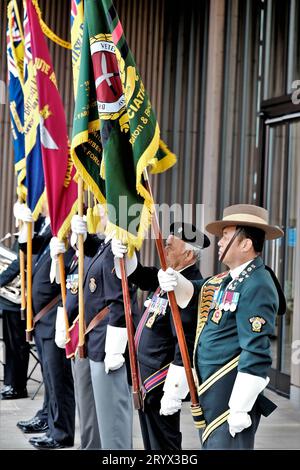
{"points": [[225, 300]]}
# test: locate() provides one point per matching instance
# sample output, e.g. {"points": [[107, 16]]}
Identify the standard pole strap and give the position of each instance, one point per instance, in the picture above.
{"points": [[46, 309], [97, 319], [236, 234]]}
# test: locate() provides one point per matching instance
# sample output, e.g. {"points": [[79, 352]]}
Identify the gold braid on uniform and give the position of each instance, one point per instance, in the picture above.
{"points": [[205, 299], [218, 375]]}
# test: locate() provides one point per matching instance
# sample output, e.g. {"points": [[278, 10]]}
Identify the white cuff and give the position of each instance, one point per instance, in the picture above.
{"points": [[23, 233], [130, 265], [54, 271], [116, 340], [245, 391], [74, 240], [60, 328], [176, 385], [183, 291]]}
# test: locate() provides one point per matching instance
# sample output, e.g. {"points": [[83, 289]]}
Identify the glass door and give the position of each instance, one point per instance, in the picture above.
{"points": [[280, 198]]}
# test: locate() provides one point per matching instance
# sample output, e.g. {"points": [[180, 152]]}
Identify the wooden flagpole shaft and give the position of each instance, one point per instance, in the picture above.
{"points": [[22, 264], [23, 284], [81, 346], [62, 277], [173, 305], [137, 401], [29, 318]]}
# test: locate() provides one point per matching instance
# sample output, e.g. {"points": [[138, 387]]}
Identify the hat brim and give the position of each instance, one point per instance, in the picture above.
{"points": [[206, 242], [216, 228]]}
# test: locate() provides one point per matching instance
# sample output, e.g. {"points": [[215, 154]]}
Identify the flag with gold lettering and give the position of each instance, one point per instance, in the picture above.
{"points": [[86, 140], [15, 62], [129, 130], [58, 167]]}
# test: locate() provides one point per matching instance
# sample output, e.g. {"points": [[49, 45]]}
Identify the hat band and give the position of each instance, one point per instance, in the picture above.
{"points": [[245, 218]]}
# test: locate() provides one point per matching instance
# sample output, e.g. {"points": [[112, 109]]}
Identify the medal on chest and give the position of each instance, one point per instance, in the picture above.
{"points": [[223, 301], [158, 307], [72, 283]]}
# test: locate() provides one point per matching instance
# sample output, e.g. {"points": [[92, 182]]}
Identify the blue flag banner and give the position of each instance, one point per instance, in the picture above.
{"points": [[15, 61]]}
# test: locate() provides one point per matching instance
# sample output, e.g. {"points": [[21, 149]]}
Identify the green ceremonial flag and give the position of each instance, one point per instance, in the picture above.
{"points": [[86, 149], [129, 131]]}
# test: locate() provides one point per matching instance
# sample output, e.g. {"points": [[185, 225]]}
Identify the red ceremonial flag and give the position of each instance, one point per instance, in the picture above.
{"points": [[57, 163]]}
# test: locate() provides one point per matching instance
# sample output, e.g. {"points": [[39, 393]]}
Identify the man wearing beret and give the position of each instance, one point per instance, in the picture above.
{"points": [[162, 375], [236, 317]]}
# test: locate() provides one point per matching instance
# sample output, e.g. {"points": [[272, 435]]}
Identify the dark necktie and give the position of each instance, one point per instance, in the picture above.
{"points": [[226, 281]]}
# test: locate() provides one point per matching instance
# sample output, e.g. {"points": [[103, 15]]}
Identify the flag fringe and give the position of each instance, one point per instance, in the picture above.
{"points": [[38, 206], [146, 159], [78, 140], [165, 163], [158, 166], [47, 31], [133, 241], [65, 227]]}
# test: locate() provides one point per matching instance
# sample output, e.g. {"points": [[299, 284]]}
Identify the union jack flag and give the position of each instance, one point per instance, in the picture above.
{"points": [[15, 62]]}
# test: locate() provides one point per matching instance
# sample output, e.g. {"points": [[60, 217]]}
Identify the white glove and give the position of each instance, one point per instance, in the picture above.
{"points": [[245, 391], [119, 251], [118, 248], [60, 328], [16, 211], [169, 406], [113, 362], [78, 227], [22, 212], [171, 280], [168, 279], [115, 345], [56, 247], [175, 389], [238, 421]]}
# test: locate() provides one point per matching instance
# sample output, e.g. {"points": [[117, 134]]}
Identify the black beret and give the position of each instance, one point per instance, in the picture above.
{"points": [[189, 234]]}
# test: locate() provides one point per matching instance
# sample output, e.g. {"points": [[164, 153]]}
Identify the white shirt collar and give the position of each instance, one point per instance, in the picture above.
{"points": [[237, 271]]}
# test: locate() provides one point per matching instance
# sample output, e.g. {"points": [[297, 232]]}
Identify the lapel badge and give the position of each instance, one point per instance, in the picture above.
{"points": [[92, 284], [257, 323]]}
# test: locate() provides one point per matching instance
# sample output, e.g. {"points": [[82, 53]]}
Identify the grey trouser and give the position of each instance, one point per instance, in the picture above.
{"points": [[113, 405], [85, 404]]}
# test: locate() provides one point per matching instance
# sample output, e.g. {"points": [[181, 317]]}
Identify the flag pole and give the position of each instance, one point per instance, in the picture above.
{"points": [[174, 308], [23, 284], [81, 346], [29, 317], [23, 279], [62, 277], [137, 401]]}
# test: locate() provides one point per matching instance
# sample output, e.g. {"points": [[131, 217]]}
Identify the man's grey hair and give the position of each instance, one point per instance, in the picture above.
{"points": [[196, 251]]}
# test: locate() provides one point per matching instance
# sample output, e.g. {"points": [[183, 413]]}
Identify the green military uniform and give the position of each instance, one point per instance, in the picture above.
{"points": [[235, 321]]}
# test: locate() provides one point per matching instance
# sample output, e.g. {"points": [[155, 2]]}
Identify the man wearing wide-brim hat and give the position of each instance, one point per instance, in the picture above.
{"points": [[161, 370], [236, 317]]}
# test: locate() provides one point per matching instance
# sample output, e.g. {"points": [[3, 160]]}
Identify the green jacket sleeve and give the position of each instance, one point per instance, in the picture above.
{"points": [[255, 323]]}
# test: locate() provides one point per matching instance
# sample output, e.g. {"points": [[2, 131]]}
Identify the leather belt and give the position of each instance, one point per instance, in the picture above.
{"points": [[46, 309]]}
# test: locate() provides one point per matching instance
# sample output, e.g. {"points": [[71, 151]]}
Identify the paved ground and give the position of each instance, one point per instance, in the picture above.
{"points": [[280, 431]]}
